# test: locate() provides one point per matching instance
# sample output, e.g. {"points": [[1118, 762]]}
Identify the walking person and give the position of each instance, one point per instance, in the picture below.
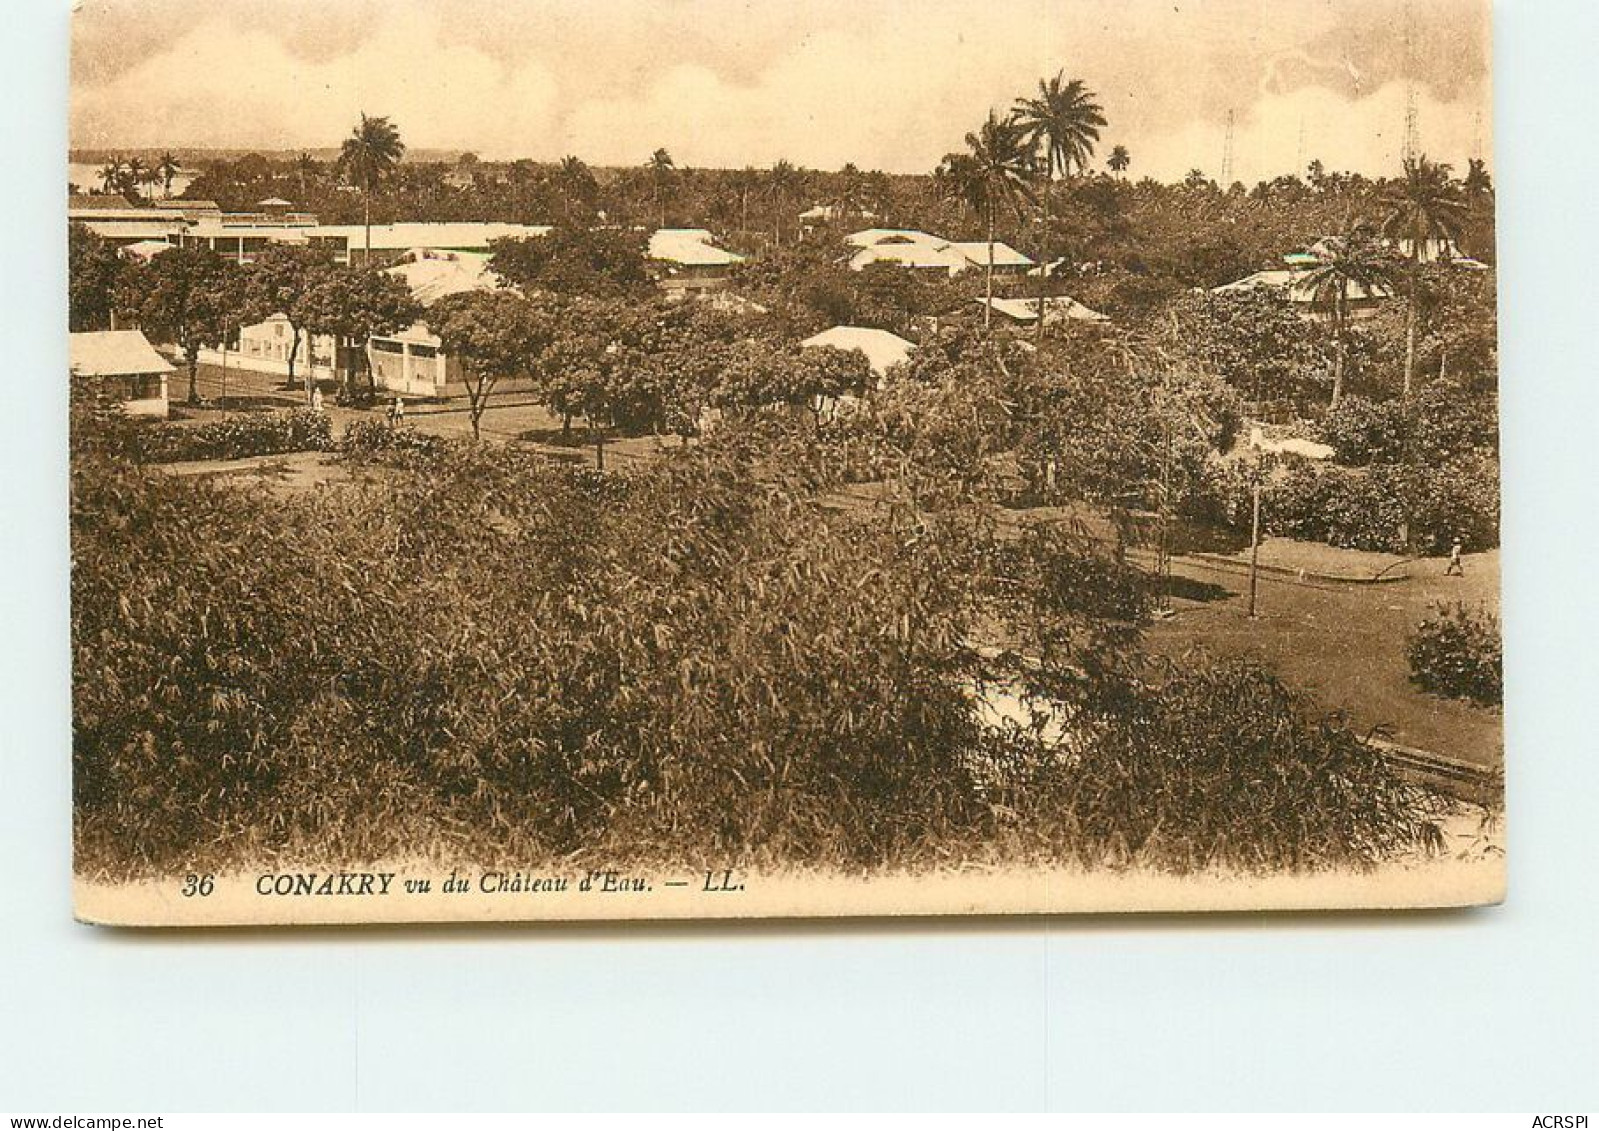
{"points": [[397, 413], [1454, 568]]}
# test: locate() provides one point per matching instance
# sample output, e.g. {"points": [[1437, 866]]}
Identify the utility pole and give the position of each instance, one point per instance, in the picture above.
{"points": [[1254, 544], [1227, 156]]}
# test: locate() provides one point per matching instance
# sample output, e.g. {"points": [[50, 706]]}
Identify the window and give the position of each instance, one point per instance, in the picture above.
{"points": [[384, 345]]}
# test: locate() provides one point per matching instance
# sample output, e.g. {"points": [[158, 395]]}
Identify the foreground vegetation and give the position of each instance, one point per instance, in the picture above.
{"points": [[491, 655]]}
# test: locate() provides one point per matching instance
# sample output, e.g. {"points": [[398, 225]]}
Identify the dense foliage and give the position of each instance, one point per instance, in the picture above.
{"points": [[723, 665], [1459, 652], [233, 437]]}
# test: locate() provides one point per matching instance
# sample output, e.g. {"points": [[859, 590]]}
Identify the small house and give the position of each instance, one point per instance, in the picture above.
{"points": [[124, 366]]}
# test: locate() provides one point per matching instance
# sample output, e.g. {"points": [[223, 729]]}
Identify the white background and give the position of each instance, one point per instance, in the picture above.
{"points": [[1486, 1010]]}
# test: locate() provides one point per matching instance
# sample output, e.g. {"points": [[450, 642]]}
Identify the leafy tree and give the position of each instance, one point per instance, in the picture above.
{"points": [[599, 262], [282, 280], [351, 303], [95, 271], [1253, 340], [188, 296], [369, 156], [494, 335], [1424, 209]]}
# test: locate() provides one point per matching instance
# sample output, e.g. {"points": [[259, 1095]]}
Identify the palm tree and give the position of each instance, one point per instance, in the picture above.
{"points": [[1119, 160], [305, 167], [996, 168], [167, 168], [134, 174], [1424, 208], [660, 166], [369, 155], [111, 175], [1061, 127], [745, 182], [1354, 260], [1477, 184], [781, 182]]}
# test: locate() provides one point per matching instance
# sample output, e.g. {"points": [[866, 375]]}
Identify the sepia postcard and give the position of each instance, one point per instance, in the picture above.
{"points": [[543, 460]]}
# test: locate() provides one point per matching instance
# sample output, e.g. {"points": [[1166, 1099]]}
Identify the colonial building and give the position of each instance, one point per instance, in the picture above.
{"points": [[123, 365]]}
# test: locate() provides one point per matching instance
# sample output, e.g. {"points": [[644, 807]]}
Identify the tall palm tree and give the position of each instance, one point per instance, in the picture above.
{"points": [[167, 168], [111, 175], [305, 167], [1423, 208], [1061, 126], [1477, 184], [1356, 260], [661, 167], [135, 173], [781, 182], [745, 182], [369, 154], [996, 168], [1119, 160]]}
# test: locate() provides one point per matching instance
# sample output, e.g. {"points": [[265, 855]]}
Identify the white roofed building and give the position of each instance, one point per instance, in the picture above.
{"points": [[125, 366], [881, 349], [908, 247], [690, 261], [1057, 309]]}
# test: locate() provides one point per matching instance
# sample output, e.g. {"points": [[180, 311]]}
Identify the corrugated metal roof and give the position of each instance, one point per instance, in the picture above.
{"points": [[689, 247], [462, 236], [114, 353], [433, 275], [882, 349]]}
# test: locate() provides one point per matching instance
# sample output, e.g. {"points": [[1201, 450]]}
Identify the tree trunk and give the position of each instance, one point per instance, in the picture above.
{"points": [[192, 354], [988, 286], [1043, 266], [294, 352], [1341, 315], [1410, 327], [367, 218]]}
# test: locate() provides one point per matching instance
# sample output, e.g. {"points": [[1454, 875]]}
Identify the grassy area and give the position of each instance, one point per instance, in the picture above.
{"points": [[1344, 644]]}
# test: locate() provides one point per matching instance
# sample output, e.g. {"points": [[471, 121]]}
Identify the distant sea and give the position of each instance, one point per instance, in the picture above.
{"points": [[87, 178]]}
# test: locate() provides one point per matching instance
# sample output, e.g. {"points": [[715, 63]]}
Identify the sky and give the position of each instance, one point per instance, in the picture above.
{"points": [[885, 84]]}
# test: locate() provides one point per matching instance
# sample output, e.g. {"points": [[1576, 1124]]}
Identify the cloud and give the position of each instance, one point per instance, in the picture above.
{"points": [[220, 85], [886, 84]]}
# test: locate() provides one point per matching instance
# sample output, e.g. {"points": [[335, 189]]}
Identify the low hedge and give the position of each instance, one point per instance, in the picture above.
{"points": [[1459, 652], [236, 437]]}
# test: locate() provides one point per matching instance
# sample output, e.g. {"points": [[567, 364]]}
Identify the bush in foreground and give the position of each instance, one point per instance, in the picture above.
{"points": [[235, 437], [1459, 652], [499, 657]]}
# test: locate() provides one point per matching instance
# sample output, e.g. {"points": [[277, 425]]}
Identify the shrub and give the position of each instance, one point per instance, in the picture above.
{"points": [[1443, 423], [499, 656], [1220, 764], [370, 439], [1458, 652], [236, 437]]}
